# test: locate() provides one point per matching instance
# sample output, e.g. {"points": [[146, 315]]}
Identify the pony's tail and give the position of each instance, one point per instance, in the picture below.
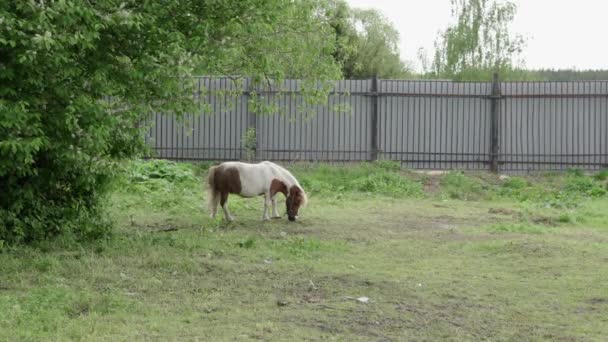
{"points": [[214, 194]]}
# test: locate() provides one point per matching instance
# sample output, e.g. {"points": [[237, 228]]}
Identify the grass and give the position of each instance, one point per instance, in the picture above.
{"points": [[458, 257]]}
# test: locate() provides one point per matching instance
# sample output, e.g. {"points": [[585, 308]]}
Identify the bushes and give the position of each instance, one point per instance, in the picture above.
{"points": [[77, 79], [64, 197], [58, 139]]}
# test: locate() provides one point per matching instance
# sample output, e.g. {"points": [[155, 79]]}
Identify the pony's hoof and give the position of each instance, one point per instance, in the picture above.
{"points": [[276, 217], [266, 218]]}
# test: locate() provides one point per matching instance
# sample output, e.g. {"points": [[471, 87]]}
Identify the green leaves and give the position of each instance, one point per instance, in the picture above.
{"points": [[366, 42], [43, 41], [62, 60], [479, 43]]}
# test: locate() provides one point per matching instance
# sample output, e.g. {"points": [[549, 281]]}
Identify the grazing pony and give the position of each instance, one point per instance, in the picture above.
{"points": [[250, 180]]}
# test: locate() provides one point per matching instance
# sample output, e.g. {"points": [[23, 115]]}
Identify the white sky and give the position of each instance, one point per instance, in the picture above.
{"points": [[561, 33]]}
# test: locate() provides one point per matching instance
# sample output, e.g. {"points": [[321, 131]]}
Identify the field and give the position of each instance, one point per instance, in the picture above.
{"points": [[454, 257]]}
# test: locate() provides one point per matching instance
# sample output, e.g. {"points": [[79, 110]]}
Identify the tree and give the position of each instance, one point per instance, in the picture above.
{"points": [[77, 78], [366, 43], [479, 43]]}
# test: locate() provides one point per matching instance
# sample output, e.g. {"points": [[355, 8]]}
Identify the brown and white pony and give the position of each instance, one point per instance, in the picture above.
{"points": [[250, 180]]}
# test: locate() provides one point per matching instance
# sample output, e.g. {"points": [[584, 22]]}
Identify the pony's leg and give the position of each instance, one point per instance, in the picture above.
{"points": [[214, 204], [267, 203], [275, 213], [225, 207]]}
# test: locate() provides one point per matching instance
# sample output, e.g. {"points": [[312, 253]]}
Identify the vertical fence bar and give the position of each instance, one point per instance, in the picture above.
{"points": [[495, 108], [374, 114]]}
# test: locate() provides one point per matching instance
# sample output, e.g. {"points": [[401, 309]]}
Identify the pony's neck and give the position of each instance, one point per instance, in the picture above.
{"points": [[287, 177], [289, 180]]}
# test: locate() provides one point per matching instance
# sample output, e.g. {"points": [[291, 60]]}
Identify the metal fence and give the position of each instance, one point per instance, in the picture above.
{"points": [[424, 124]]}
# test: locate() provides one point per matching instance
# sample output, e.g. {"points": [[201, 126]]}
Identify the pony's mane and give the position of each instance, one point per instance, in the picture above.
{"points": [[285, 174], [303, 197]]}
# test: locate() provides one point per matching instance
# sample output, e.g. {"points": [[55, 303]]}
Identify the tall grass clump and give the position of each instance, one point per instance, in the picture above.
{"points": [[554, 191], [457, 185], [383, 177], [601, 176], [143, 171], [160, 183]]}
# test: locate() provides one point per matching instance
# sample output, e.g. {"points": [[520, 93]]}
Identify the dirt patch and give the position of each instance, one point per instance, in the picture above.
{"points": [[598, 301], [311, 298], [531, 249], [504, 211], [431, 184], [593, 305], [453, 235], [545, 221], [154, 227], [357, 320]]}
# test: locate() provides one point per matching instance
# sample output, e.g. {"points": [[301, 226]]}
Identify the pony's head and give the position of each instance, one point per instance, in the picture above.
{"points": [[296, 198]]}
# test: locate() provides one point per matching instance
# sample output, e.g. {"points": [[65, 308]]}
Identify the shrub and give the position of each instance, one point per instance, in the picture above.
{"points": [[58, 137]]}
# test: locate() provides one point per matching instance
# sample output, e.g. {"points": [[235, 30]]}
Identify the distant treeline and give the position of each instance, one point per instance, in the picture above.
{"points": [[568, 75], [474, 74]]}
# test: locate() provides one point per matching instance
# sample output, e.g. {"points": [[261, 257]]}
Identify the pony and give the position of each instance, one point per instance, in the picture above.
{"points": [[251, 180]]}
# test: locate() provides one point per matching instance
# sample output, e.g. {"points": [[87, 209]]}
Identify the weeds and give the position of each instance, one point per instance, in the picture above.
{"points": [[560, 192], [601, 176], [246, 243], [382, 177], [138, 172], [459, 186]]}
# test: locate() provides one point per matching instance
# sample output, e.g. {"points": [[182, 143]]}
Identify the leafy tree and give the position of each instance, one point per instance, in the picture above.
{"points": [[366, 42], [78, 77], [339, 16], [479, 43]]}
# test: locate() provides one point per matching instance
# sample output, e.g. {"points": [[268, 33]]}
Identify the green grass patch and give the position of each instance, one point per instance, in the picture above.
{"points": [[383, 178], [478, 259], [457, 185], [601, 176], [522, 228]]}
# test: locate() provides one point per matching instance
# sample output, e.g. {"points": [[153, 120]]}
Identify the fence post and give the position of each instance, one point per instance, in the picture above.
{"points": [[251, 124], [374, 113], [494, 123]]}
